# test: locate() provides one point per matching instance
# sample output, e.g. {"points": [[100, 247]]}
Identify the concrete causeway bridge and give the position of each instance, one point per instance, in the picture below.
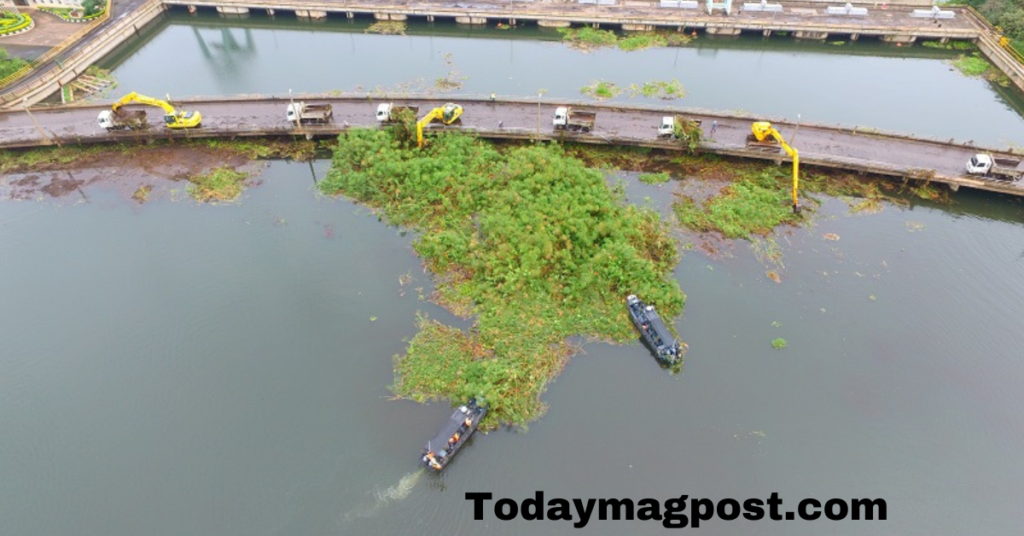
{"points": [[832, 147]]}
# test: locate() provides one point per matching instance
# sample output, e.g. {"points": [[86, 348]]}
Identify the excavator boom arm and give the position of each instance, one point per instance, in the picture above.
{"points": [[436, 113], [762, 130], [173, 118], [142, 99], [448, 114]]}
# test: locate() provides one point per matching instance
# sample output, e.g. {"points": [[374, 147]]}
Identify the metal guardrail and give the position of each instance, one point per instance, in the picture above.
{"points": [[62, 46], [1005, 45]]}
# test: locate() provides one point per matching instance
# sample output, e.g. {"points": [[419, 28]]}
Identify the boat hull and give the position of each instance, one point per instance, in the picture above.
{"points": [[440, 450], [654, 332]]}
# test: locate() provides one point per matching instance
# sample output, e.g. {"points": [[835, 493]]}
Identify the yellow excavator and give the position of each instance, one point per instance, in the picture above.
{"points": [[448, 114], [763, 134], [172, 118]]}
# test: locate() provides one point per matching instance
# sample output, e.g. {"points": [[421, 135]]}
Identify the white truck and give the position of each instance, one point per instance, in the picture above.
{"points": [[667, 128], [569, 118], [995, 167], [306, 113], [388, 112], [123, 119]]}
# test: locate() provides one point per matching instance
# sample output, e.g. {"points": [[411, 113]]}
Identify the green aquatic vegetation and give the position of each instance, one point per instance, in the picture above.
{"points": [[952, 45], [972, 65], [655, 178], [677, 39], [779, 343], [528, 240], [641, 41], [753, 205], [141, 193], [220, 184], [601, 90], [588, 38], [453, 79], [672, 89], [387, 27]]}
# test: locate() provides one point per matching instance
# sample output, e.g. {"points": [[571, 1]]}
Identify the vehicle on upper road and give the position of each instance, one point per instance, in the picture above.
{"points": [[108, 119], [995, 167], [676, 126], [764, 136], [449, 114], [389, 112], [306, 113], [569, 118]]}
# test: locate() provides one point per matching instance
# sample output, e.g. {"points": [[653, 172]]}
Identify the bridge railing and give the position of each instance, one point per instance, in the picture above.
{"points": [[1003, 44]]}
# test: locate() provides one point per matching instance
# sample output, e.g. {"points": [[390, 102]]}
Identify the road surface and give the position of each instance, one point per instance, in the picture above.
{"points": [[818, 145]]}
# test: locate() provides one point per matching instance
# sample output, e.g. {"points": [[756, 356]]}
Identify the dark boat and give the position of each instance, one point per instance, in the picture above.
{"points": [[654, 332], [440, 450]]}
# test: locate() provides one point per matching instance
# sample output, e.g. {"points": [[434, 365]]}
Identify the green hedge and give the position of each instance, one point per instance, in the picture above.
{"points": [[11, 23], [10, 65], [65, 14], [1018, 45]]}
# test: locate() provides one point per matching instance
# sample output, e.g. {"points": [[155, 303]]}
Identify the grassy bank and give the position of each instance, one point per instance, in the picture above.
{"points": [[80, 156], [212, 167], [530, 240]]}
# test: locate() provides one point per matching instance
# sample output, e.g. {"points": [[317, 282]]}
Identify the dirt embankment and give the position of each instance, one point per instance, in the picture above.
{"points": [[154, 170]]}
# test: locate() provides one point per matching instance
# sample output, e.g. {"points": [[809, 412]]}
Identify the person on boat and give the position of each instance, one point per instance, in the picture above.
{"points": [[468, 422], [455, 438], [433, 461]]}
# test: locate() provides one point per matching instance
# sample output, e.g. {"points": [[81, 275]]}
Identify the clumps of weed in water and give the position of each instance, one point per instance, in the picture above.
{"points": [[753, 205], [952, 45], [534, 245], [672, 89], [588, 38], [220, 184], [387, 27], [141, 194], [972, 65], [655, 178], [453, 79], [601, 89]]}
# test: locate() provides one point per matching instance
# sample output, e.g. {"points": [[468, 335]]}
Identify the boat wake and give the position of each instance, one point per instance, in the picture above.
{"points": [[381, 498]]}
